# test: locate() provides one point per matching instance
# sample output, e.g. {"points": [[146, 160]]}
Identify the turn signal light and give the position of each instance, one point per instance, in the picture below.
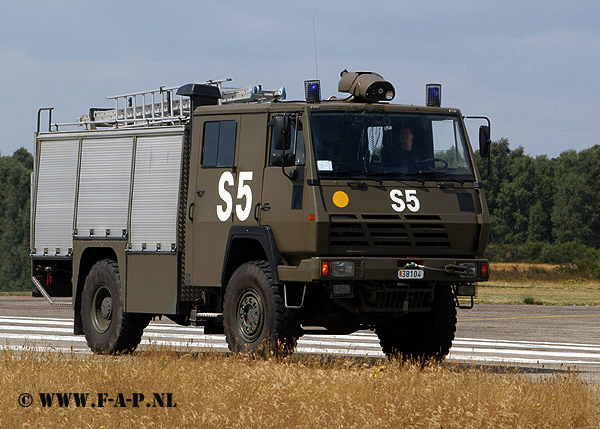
{"points": [[483, 268], [337, 269], [324, 269]]}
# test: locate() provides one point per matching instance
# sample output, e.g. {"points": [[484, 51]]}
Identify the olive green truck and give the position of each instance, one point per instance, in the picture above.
{"points": [[260, 218]]}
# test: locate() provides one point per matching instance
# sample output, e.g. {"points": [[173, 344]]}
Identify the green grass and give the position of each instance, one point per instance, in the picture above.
{"points": [[15, 293]]}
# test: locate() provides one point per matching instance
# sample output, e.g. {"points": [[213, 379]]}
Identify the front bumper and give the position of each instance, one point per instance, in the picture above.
{"points": [[455, 271]]}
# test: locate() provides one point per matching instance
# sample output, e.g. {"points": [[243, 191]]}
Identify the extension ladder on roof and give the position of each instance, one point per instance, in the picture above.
{"points": [[163, 104]]}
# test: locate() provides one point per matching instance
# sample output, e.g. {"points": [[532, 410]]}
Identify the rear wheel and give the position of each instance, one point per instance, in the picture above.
{"points": [[254, 315], [107, 328], [422, 336]]}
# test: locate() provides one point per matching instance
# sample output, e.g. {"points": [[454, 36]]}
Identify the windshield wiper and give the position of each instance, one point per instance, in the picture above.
{"points": [[399, 176], [440, 175], [354, 174]]}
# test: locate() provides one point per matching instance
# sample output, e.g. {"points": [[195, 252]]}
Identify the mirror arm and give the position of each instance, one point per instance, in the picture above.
{"points": [[487, 174], [489, 158], [291, 176]]}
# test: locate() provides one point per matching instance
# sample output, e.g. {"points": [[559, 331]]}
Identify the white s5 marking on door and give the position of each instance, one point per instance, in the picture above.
{"points": [[244, 192]]}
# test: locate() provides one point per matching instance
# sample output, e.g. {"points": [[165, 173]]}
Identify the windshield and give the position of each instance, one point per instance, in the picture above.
{"points": [[390, 144]]}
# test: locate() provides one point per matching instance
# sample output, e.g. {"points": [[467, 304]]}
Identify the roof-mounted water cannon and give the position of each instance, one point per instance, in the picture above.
{"points": [[366, 86], [433, 94]]}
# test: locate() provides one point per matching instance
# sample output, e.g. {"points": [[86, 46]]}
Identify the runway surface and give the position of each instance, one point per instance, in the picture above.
{"points": [[536, 339]]}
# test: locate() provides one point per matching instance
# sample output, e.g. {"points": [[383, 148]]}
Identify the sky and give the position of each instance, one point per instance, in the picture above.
{"points": [[531, 66]]}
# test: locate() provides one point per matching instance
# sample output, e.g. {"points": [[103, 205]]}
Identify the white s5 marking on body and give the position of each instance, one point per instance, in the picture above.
{"points": [[410, 200]]}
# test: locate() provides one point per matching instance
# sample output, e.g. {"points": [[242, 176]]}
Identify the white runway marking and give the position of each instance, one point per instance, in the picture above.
{"points": [[53, 334]]}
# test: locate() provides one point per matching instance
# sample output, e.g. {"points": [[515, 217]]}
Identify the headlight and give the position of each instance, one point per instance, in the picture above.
{"points": [[337, 269], [342, 269]]}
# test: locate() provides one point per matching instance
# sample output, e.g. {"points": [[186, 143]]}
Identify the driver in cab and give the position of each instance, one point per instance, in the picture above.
{"points": [[400, 153]]}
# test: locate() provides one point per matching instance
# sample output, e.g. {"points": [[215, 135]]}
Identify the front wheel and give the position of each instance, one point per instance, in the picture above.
{"points": [[107, 328], [422, 336], [254, 315]]}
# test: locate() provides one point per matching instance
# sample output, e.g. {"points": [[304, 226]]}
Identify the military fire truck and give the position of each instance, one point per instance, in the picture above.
{"points": [[261, 218]]}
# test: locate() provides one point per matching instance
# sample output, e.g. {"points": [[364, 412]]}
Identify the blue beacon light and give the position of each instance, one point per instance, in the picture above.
{"points": [[312, 90], [433, 92]]}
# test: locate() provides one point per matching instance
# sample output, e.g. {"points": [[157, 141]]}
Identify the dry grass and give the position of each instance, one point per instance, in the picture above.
{"points": [[521, 273], [518, 283], [215, 390], [520, 266], [548, 294]]}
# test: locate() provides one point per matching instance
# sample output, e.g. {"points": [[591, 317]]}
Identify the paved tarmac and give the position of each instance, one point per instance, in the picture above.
{"points": [[536, 339]]}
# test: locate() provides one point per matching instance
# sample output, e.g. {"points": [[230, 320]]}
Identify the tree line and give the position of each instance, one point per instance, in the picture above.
{"points": [[15, 180], [542, 209]]}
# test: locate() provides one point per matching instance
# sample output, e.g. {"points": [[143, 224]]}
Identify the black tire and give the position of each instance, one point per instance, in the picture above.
{"points": [[107, 328], [254, 315], [422, 336]]}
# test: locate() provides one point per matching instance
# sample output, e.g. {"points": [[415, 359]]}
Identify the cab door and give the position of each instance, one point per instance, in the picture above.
{"points": [[250, 162], [211, 197], [283, 194], [227, 188]]}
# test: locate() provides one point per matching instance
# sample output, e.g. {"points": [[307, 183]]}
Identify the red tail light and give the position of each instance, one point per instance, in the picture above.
{"points": [[484, 270]]}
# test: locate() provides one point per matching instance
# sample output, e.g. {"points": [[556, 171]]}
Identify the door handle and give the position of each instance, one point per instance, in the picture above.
{"points": [[191, 212], [266, 207]]}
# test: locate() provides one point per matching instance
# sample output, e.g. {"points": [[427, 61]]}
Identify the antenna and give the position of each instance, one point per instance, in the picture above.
{"points": [[315, 40]]}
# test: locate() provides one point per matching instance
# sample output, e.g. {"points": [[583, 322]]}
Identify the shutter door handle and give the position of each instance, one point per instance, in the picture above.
{"points": [[191, 212]]}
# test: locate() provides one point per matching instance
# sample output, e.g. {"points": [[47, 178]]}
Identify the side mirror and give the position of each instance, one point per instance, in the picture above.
{"points": [[281, 132], [278, 160], [484, 141]]}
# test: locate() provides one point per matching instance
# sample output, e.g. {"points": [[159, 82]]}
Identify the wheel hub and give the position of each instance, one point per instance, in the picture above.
{"points": [[250, 317], [106, 308], [101, 311]]}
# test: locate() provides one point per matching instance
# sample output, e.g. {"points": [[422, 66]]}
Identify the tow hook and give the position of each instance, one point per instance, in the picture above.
{"points": [[456, 269]]}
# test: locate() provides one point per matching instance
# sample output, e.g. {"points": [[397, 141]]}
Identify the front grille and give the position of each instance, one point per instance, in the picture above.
{"points": [[390, 300], [396, 300], [387, 231], [346, 231]]}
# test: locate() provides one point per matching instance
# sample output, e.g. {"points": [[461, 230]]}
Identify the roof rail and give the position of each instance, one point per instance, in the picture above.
{"points": [[163, 106]]}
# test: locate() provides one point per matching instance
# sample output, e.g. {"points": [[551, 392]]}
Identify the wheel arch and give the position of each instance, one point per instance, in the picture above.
{"points": [[250, 243], [85, 259]]}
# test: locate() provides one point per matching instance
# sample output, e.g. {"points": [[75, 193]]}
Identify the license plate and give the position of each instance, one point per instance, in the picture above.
{"points": [[411, 274]]}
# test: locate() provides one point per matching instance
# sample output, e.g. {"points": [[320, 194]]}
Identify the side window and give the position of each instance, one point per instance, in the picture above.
{"points": [[295, 155], [218, 143], [448, 143]]}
